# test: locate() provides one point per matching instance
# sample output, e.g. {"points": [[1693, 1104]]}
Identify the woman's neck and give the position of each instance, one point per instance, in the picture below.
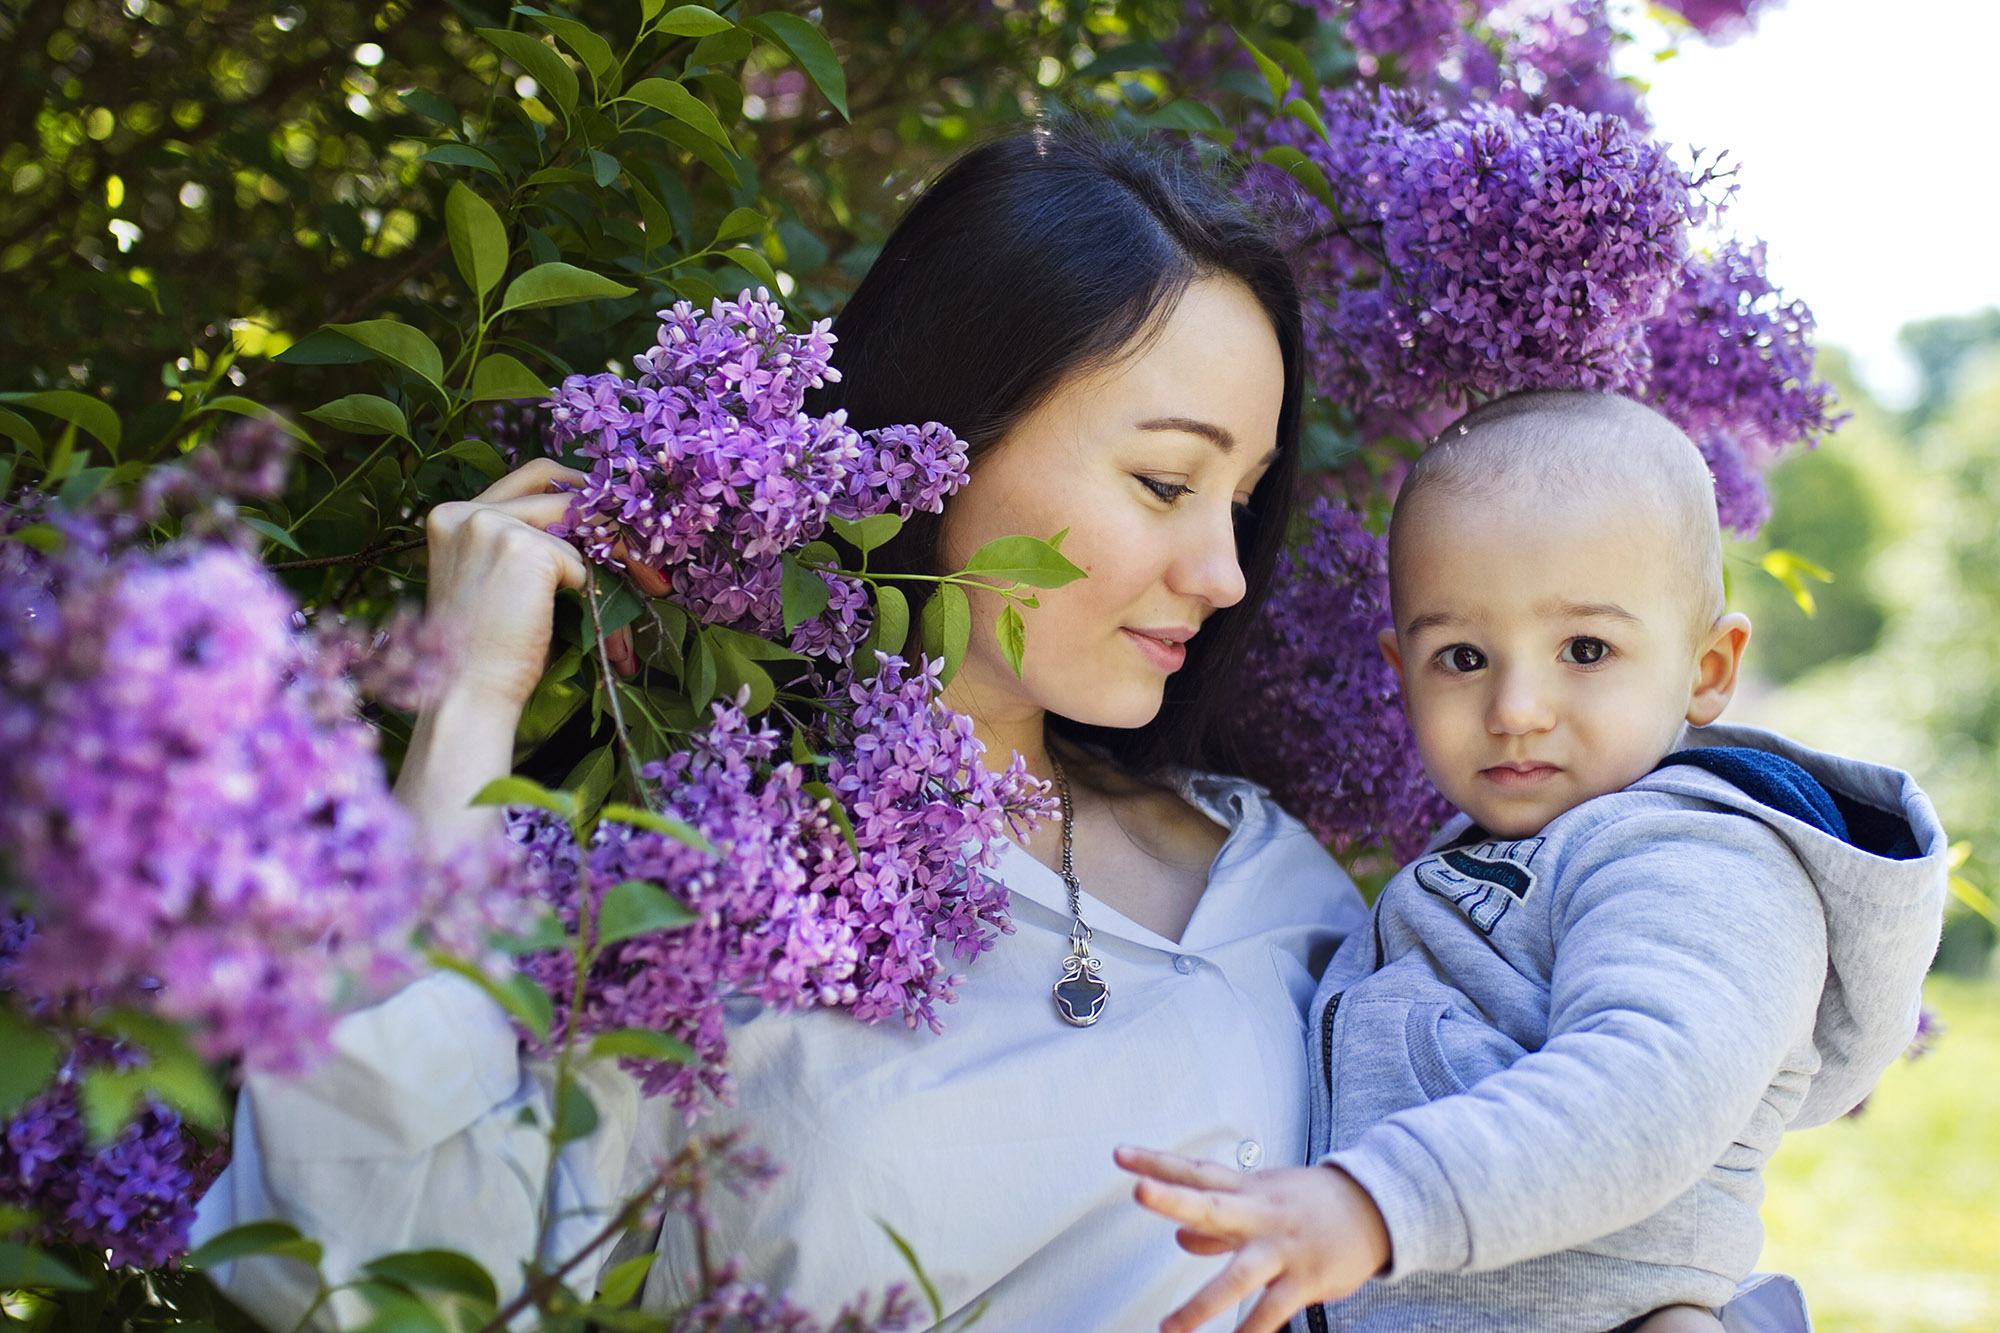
{"points": [[1004, 730]]}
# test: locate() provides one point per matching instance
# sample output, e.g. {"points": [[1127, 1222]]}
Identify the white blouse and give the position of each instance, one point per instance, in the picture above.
{"points": [[988, 1147]]}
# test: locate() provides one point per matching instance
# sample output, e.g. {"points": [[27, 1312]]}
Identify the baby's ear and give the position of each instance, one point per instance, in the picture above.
{"points": [[1392, 653], [1716, 663]]}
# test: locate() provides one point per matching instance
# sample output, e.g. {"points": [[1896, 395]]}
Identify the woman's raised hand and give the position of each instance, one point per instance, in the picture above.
{"points": [[494, 573]]}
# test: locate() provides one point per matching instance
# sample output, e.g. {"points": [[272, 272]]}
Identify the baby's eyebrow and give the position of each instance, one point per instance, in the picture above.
{"points": [[1433, 620], [1586, 611]]}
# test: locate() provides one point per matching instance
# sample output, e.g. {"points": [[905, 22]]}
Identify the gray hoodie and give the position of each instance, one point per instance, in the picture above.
{"points": [[1559, 1063]]}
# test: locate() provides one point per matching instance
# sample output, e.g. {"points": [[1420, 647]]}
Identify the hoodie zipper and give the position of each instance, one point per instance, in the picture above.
{"points": [[1316, 1314]]}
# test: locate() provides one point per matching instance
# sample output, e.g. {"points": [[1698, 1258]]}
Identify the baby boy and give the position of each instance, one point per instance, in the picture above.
{"points": [[1547, 1079]]}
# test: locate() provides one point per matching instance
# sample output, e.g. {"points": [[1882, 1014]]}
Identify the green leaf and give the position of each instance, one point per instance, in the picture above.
{"points": [[691, 20], [638, 908], [735, 670], [1013, 636], [808, 45], [461, 155], [1792, 569], [741, 222], [1307, 112], [276, 1238], [557, 283], [668, 96], [591, 779], [1303, 170], [28, 1057], [323, 347], [714, 157], [518, 994], [22, 431], [24, 1266], [753, 646], [500, 377], [916, 1269], [481, 456], [431, 107], [755, 265], [1274, 74], [438, 1270], [272, 531], [91, 415], [869, 533], [41, 536], [517, 790], [560, 176], [478, 238], [394, 1310], [947, 628], [399, 344], [805, 592], [1184, 114], [659, 222], [1028, 560], [1297, 64], [830, 803], [592, 50], [237, 405], [541, 62], [363, 414], [891, 630], [722, 48], [622, 1282], [576, 1114], [547, 933], [702, 678], [679, 830]]}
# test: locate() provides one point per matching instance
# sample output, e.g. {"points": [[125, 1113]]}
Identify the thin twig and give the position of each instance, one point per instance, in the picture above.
{"points": [[368, 556]]}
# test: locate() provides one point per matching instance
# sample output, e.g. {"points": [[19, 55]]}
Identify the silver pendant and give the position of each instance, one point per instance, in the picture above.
{"points": [[1080, 994]]}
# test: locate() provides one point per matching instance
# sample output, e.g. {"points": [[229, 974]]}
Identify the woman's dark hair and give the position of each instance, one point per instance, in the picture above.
{"points": [[1031, 259]]}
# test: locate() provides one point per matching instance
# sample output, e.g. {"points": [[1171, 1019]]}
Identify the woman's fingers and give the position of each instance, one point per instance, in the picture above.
{"points": [[530, 478], [618, 647], [1244, 1276]]}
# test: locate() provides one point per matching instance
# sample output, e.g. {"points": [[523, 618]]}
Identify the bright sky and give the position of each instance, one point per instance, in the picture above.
{"points": [[1864, 132]]}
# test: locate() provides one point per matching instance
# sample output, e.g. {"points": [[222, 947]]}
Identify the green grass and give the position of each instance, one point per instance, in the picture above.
{"points": [[1891, 1219]]}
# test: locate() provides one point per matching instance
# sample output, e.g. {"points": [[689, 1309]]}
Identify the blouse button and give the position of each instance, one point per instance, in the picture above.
{"points": [[1185, 964], [1249, 1153]]}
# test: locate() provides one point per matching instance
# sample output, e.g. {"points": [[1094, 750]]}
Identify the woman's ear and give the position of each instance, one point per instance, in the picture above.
{"points": [[1715, 667], [1391, 653]]}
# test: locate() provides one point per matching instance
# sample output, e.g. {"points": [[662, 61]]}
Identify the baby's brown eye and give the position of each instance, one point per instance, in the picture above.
{"points": [[1585, 651], [1463, 657]]}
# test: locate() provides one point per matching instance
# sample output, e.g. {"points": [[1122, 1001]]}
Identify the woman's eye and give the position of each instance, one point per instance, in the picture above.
{"points": [[1461, 658], [1584, 651], [1168, 491]]}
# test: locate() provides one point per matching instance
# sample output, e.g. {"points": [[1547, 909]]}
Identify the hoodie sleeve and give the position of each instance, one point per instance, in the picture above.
{"points": [[1689, 961]]}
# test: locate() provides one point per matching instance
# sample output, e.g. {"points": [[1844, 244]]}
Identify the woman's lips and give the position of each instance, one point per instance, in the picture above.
{"points": [[1159, 648], [1518, 776]]}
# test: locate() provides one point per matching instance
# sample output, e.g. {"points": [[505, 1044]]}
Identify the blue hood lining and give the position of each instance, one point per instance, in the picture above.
{"points": [[1781, 785]]}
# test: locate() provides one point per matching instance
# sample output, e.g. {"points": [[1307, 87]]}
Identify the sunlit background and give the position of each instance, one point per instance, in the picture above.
{"points": [[1859, 134]]}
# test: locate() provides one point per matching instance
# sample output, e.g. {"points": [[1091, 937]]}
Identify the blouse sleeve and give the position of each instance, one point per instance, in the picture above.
{"points": [[424, 1129]]}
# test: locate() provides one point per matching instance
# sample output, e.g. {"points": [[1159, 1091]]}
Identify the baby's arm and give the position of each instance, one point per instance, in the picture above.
{"points": [[1680, 1319], [1300, 1235]]}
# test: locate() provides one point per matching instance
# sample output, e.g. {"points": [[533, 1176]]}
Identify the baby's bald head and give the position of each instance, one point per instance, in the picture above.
{"points": [[1566, 447]]}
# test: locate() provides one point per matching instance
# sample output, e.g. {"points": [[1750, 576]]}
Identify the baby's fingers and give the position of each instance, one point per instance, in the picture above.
{"points": [[1200, 1242], [1247, 1273], [1221, 1216], [1275, 1308], [1175, 1169]]}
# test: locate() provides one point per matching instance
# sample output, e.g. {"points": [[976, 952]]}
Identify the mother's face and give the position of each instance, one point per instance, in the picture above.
{"points": [[1145, 462]]}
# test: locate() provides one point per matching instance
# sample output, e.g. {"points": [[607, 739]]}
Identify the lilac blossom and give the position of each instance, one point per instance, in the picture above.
{"points": [[200, 821], [1733, 366], [707, 466], [1718, 20], [1482, 252], [1322, 721], [791, 914]]}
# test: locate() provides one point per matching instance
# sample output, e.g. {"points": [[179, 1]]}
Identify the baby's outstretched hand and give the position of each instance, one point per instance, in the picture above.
{"points": [[1300, 1235]]}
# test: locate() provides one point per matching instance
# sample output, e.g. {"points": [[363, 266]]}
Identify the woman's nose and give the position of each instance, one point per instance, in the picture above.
{"points": [[1519, 705], [1207, 564]]}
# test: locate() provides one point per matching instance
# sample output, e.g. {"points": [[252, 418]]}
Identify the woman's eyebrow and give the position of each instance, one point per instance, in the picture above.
{"points": [[1208, 430]]}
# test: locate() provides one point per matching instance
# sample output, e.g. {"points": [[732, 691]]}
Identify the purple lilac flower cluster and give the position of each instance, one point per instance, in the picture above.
{"points": [[792, 914], [1733, 366], [707, 466], [1322, 720], [132, 1197], [199, 819], [1481, 252]]}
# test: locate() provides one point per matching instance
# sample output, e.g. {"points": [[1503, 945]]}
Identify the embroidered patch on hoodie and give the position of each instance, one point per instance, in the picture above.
{"points": [[1483, 880]]}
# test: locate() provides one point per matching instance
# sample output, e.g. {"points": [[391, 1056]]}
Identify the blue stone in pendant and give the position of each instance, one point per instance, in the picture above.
{"points": [[1080, 999]]}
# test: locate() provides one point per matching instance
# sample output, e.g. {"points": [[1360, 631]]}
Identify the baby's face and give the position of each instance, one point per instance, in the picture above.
{"points": [[1546, 650]]}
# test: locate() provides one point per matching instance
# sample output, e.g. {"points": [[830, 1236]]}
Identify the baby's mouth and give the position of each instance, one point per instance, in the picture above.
{"points": [[1516, 774]]}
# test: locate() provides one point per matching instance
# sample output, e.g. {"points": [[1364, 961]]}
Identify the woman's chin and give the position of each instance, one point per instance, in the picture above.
{"points": [[1125, 709]]}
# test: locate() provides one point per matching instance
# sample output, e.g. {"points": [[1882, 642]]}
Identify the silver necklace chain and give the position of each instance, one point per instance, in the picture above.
{"points": [[1081, 992]]}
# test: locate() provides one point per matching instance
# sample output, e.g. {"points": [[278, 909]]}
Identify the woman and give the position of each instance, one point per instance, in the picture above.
{"points": [[1120, 347]]}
